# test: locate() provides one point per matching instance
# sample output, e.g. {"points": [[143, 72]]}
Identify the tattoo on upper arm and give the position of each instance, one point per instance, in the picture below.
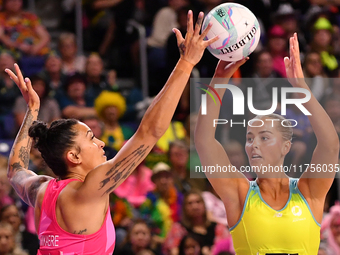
{"points": [[182, 49], [28, 193], [122, 169]]}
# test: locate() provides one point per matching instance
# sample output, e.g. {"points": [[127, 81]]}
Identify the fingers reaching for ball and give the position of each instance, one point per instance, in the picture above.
{"points": [[192, 46]]}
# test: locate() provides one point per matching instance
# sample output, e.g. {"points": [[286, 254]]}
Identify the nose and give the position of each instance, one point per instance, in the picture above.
{"points": [[100, 143], [255, 143]]}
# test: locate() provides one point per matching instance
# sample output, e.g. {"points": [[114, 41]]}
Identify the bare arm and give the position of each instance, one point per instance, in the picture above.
{"points": [[25, 182], [327, 148], [155, 122], [230, 186]]}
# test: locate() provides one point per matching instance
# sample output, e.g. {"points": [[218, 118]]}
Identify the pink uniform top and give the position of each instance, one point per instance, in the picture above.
{"points": [[56, 241]]}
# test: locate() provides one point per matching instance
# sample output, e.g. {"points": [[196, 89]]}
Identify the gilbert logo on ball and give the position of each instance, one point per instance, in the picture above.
{"points": [[237, 28]]}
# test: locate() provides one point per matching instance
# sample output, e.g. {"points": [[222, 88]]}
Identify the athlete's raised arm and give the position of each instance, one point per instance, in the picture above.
{"points": [[156, 120], [230, 186], [25, 182], [326, 153]]}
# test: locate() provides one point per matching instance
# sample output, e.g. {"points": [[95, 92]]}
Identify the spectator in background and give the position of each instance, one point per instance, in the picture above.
{"points": [[96, 80], [288, 18], [23, 239], [139, 238], [5, 189], [194, 221], [277, 46], [110, 106], [314, 75], [189, 245], [8, 94], [164, 21], [214, 206], [322, 43], [330, 230], [163, 205], [122, 213], [22, 33], [136, 186], [73, 102], [332, 107], [53, 74], [71, 62], [50, 110], [178, 155], [7, 244]]}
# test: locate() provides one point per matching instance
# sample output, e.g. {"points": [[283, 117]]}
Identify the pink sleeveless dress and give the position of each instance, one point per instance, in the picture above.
{"points": [[56, 241]]}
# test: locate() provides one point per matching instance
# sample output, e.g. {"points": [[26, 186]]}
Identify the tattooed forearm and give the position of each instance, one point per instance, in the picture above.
{"points": [[24, 156], [23, 133], [123, 168]]}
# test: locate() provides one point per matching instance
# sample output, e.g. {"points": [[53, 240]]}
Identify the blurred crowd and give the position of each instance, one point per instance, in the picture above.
{"points": [[159, 209]]}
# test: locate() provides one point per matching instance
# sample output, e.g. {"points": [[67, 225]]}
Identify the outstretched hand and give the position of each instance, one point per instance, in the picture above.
{"points": [[225, 69], [25, 86], [193, 45], [293, 63]]}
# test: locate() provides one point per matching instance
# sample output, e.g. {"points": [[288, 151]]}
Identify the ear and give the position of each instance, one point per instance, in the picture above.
{"points": [[286, 147], [73, 157]]}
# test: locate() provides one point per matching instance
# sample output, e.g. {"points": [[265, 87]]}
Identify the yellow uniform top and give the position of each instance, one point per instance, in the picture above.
{"points": [[262, 230]]}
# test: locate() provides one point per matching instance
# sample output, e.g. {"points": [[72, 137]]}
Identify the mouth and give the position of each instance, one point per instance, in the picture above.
{"points": [[256, 156]]}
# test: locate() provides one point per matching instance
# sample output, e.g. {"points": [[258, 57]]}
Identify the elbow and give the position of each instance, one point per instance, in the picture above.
{"points": [[151, 131], [156, 132]]}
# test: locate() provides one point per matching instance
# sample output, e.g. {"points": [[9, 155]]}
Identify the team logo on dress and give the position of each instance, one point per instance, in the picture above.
{"points": [[296, 210]]}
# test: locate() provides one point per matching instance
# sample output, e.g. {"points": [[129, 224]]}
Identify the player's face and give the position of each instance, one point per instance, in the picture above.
{"points": [[90, 147], [265, 144]]}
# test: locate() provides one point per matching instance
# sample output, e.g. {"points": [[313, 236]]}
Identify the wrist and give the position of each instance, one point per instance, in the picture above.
{"points": [[184, 66]]}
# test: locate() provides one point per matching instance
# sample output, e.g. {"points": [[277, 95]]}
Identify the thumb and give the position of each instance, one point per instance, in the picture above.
{"points": [[179, 36], [241, 62]]}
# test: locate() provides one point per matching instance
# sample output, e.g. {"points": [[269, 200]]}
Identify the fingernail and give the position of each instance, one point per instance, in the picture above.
{"points": [[26, 79], [189, 12], [173, 30], [210, 24]]}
